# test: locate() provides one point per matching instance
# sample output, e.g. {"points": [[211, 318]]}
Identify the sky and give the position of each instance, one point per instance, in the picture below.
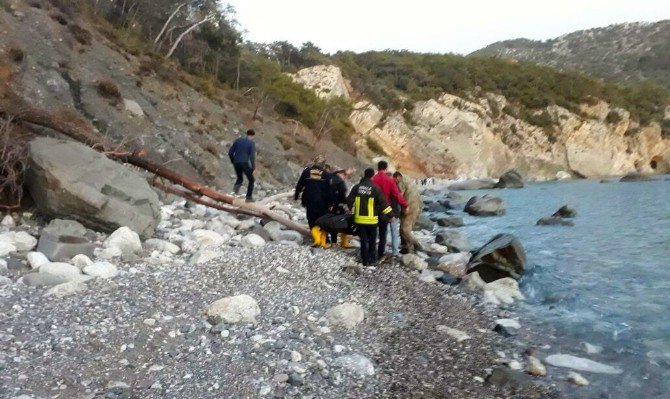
{"points": [[430, 26]]}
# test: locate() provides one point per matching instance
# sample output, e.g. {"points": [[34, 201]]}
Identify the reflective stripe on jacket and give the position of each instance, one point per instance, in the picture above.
{"points": [[368, 203]]}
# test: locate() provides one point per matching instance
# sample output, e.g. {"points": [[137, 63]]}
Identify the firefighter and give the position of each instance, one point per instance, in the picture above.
{"points": [[315, 189], [369, 206], [339, 179]]}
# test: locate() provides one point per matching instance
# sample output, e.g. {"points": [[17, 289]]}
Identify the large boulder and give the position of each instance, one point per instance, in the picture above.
{"points": [[510, 179], [485, 206], [554, 221], [453, 240], [61, 240], [68, 179], [503, 256], [565, 212], [481, 184]]}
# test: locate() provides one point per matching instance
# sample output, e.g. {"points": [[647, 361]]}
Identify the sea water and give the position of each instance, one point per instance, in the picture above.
{"points": [[605, 281]]}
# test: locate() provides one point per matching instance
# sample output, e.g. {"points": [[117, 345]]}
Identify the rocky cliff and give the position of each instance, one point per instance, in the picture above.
{"points": [[457, 137]]}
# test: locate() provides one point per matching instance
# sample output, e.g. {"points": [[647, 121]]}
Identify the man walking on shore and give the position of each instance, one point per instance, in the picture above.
{"points": [[391, 193], [242, 154], [408, 243], [370, 207]]}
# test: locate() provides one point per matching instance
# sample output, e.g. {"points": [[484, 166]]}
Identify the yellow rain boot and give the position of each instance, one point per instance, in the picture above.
{"points": [[344, 241], [316, 236], [324, 240]]}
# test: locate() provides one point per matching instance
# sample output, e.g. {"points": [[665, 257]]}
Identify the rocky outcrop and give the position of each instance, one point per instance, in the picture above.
{"points": [[510, 179], [68, 179], [503, 256], [326, 80]]}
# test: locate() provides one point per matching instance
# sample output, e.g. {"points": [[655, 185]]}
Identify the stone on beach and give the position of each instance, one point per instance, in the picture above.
{"points": [[63, 239], [454, 264], [504, 290], [346, 315], [233, 309], [414, 261], [204, 256], [535, 367], [503, 256], [36, 259], [124, 239], [357, 364], [60, 269], [253, 241], [162, 245], [454, 240], [6, 248], [67, 178], [101, 269], [458, 335], [581, 364], [21, 240], [577, 379]]}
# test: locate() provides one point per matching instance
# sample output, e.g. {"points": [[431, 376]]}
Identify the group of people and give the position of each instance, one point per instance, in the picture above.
{"points": [[378, 204]]}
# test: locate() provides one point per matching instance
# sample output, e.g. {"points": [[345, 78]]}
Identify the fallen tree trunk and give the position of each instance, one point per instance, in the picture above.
{"points": [[74, 126]]}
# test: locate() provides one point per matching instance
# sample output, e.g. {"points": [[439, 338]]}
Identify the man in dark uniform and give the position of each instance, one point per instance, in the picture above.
{"points": [[242, 155], [317, 197], [340, 191], [369, 205]]}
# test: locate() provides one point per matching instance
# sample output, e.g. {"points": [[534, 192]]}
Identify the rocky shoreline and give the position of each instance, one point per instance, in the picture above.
{"points": [[140, 327]]}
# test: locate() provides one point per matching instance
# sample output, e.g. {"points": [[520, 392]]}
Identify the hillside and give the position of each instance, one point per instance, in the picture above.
{"points": [[629, 52]]}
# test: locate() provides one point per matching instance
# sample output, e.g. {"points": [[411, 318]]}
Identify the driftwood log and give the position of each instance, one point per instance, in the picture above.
{"points": [[76, 127]]}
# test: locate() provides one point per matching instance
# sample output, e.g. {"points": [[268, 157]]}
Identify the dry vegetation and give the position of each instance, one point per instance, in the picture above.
{"points": [[109, 90]]}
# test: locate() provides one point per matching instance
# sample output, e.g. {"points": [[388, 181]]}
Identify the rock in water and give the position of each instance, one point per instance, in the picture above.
{"points": [[565, 212], [357, 364], [454, 240], [503, 256], [510, 179], [554, 221], [505, 377], [577, 379], [61, 240], [233, 309], [450, 221], [485, 206], [631, 177], [68, 179], [124, 239], [563, 175], [454, 264], [504, 290], [481, 184], [535, 367], [581, 364], [346, 315]]}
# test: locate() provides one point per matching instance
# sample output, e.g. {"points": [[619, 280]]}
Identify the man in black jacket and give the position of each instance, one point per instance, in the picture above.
{"points": [[243, 156], [317, 197], [369, 205], [340, 190]]}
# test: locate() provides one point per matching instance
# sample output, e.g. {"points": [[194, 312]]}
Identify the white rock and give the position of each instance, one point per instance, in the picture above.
{"points": [[150, 322], [133, 107], [296, 356], [458, 335], [234, 309], [36, 259], [5, 281], [347, 315], [581, 364], [125, 239], [253, 241], [592, 349], [414, 261], [455, 264], [509, 323], [506, 290], [473, 281], [3, 266], [204, 256], [230, 221], [21, 240], [60, 269], [535, 367], [107, 253], [563, 175], [430, 276], [190, 246], [357, 364], [247, 225], [207, 238], [577, 379], [6, 248], [515, 365], [8, 221], [81, 261], [102, 270], [66, 289], [162, 246]]}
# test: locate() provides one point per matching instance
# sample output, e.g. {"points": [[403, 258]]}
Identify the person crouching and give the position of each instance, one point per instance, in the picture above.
{"points": [[315, 190], [368, 204]]}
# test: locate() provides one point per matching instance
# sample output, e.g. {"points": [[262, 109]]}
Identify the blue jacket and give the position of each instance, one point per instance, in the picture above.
{"points": [[243, 151]]}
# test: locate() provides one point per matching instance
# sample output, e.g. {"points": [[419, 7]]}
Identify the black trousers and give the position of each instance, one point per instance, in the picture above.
{"points": [[244, 169], [383, 229], [368, 236]]}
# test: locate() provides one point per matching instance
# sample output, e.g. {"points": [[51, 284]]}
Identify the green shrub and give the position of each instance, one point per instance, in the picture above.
{"points": [[613, 117], [374, 146]]}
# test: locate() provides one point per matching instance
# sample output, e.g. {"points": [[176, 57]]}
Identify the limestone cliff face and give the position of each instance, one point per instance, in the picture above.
{"points": [[325, 80], [470, 138]]}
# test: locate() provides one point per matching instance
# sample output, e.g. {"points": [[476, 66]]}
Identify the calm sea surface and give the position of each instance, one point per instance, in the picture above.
{"points": [[605, 281]]}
